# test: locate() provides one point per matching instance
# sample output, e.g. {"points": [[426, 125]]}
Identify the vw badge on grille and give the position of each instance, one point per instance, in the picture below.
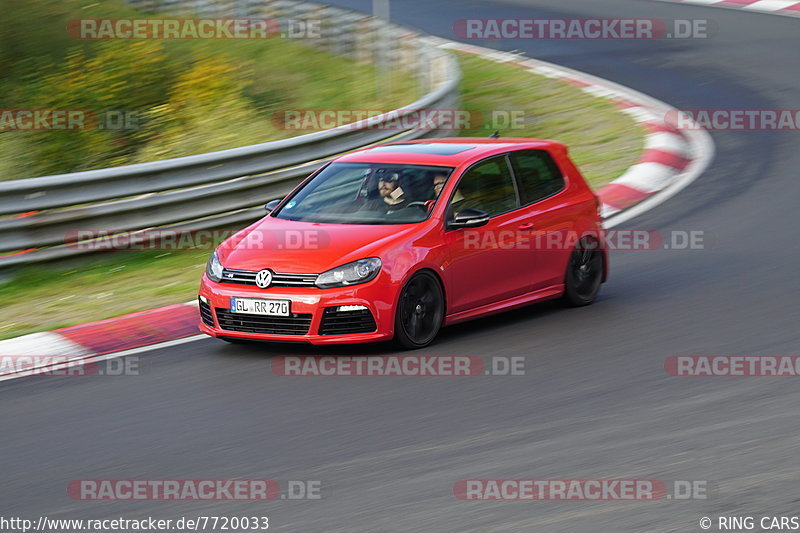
{"points": [[263, 278]]}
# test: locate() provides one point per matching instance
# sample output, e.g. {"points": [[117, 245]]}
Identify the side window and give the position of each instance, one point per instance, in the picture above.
{"points": [[487, 186], [537, 174]]}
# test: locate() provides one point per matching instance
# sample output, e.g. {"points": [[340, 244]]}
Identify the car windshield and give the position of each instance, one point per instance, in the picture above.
{"points": [[368, 193]]}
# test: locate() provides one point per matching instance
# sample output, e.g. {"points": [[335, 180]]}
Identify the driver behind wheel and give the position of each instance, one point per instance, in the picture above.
{"points": [[391, 196]]}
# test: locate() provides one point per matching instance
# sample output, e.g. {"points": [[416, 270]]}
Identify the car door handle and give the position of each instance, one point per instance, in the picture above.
{"points": [[526, 226]]}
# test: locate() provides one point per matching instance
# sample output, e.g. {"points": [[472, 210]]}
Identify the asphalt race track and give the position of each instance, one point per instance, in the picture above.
{"points": [[595, 402]]}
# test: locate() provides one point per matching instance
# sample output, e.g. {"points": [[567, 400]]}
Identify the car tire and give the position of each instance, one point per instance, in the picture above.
{"points": [[584, 275], [420, 311]]}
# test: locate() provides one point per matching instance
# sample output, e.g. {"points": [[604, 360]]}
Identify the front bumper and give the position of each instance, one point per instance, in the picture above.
{"points": [[378, 298]]}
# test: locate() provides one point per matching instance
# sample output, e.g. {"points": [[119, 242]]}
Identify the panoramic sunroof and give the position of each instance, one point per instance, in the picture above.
{"points": [[425, 148]]}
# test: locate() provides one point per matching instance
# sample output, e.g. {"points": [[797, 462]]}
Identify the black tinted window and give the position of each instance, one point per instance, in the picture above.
{"points": [[487, 186], [537, 175]]}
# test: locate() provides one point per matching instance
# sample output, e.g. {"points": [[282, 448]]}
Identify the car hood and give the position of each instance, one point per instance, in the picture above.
{"points": [[306, 247]]}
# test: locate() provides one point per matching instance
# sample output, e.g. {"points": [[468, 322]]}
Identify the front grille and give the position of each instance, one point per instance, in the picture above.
{"points": [[345, 322], [294, 324], [205, 314], [248, 277]]}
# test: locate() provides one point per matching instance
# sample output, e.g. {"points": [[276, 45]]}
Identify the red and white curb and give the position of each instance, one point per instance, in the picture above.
{"points": [[787, 8], [671, 160], [40, 353]]}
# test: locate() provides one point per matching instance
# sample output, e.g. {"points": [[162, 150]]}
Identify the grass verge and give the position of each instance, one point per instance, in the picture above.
{"points": [[603, 142]]}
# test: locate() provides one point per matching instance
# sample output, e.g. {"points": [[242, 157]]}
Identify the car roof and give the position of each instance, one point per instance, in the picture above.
{"points": [[450, 151]]}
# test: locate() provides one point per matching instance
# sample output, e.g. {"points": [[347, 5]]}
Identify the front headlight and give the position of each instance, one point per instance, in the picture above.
{"points": [[360, 271], [214, 268]]}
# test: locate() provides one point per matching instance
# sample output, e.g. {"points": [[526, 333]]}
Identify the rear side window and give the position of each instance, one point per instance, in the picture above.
{"points": [[487, 186], [537, 174]]}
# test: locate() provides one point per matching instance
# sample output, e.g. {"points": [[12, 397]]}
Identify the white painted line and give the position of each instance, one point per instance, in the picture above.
{"points": [[95, 358], [151, 347]]}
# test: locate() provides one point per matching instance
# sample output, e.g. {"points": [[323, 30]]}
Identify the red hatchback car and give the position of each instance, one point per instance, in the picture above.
{"points": [[398, 240]]}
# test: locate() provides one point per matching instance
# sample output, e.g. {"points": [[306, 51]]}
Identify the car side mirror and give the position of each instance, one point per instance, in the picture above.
{"points": [[270, 207], [469, 218]]}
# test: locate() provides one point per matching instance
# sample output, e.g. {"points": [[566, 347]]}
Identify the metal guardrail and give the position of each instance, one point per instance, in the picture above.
{"points": [[230, 186]]}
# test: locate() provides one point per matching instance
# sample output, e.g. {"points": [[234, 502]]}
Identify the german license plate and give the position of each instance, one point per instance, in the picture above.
{"points": [[260, 306]]}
